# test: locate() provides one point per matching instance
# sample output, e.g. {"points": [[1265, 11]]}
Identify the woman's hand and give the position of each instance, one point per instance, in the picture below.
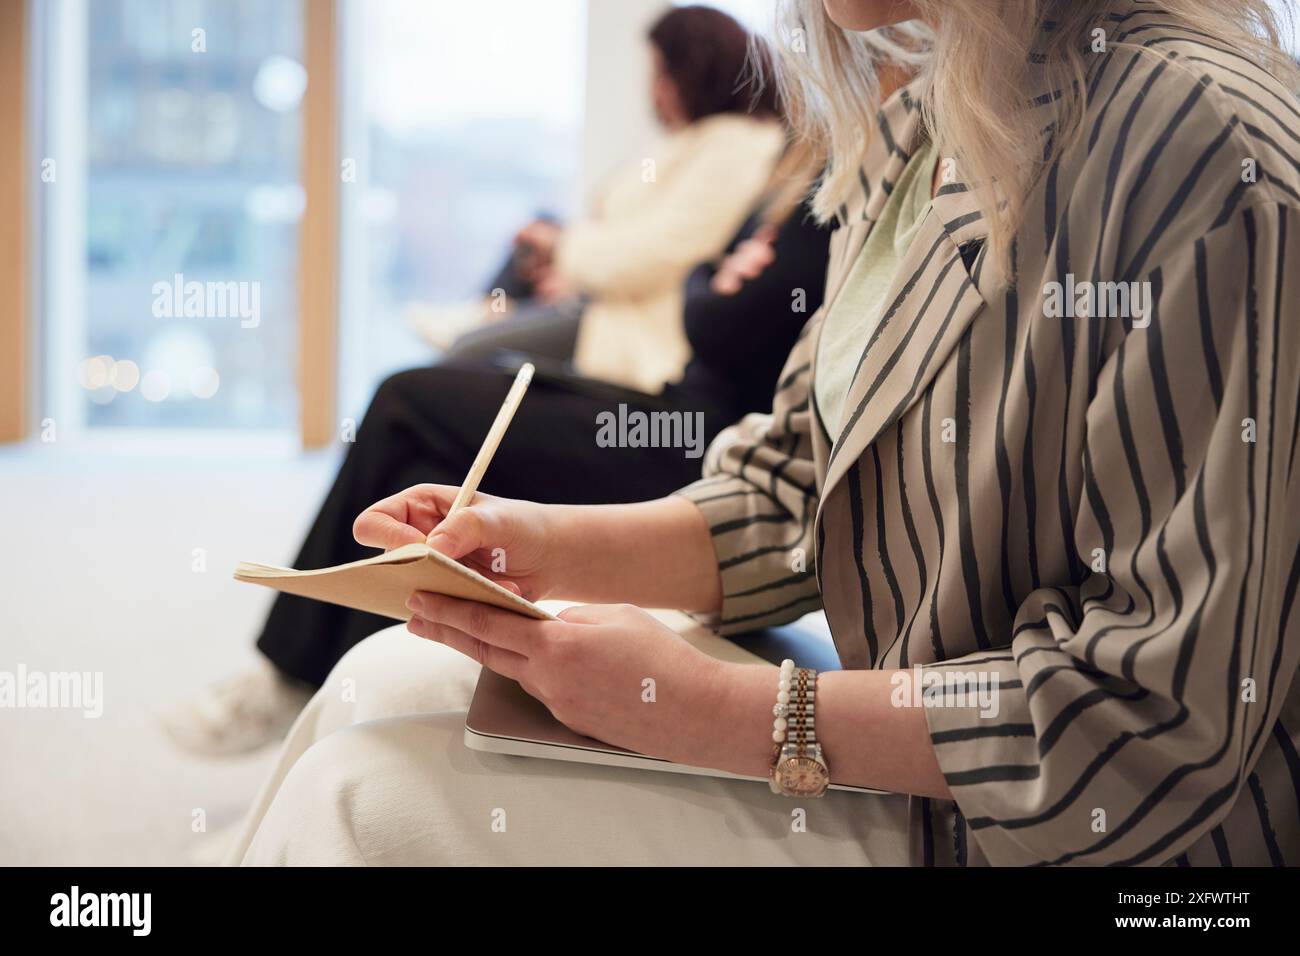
{"points": [[615, 673], [538, 239], [551, 287], [747, 262], [512, 542], [654, 553]]}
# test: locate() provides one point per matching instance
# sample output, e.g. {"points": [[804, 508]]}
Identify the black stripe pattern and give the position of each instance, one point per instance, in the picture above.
{"points": [[1093, 511]]}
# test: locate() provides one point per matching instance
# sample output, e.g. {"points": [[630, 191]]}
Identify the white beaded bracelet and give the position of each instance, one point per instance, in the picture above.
{"points": [[782, 708]]}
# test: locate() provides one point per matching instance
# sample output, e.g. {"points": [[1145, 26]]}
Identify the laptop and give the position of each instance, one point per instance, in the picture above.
{"points": [[504, 719]]}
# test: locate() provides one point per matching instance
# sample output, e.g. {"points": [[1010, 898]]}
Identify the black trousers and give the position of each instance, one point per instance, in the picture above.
{"points": [[426, 425]]}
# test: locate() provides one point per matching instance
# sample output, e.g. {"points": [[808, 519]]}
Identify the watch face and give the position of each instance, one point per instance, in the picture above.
{"points": [[802, 776]]}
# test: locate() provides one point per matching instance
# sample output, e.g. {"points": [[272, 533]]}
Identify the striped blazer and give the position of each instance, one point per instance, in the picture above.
{"points": [[1095, 511]]}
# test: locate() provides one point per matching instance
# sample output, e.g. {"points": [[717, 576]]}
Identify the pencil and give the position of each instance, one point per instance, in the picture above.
{"points": [[493, 439]]}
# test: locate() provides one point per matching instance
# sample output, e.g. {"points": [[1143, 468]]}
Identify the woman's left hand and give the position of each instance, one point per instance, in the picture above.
{"points": [[611, 672]]}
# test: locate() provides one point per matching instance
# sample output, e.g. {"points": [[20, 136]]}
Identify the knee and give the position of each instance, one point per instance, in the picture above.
{"points": [[392, 399], [353, 797], [311, 820], [328, 769], [336, 770], [393, 672]]}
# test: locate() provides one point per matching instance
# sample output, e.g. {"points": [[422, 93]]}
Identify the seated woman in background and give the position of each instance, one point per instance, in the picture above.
{"points": [[427, 424], [1056, 544], [606, 291]]}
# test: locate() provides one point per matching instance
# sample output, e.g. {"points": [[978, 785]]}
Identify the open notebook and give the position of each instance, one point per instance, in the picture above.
{"points": [[383, 583]]}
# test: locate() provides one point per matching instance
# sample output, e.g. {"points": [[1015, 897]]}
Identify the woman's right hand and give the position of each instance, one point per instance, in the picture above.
{"points": [[747, 262], [506, 540]]}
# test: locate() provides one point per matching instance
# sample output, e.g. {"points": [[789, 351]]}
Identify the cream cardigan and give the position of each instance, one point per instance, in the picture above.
{"points": [[676, 208]]}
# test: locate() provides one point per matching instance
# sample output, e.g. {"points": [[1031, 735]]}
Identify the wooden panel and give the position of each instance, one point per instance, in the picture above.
{"points": [[318, 240], [15, 186]]}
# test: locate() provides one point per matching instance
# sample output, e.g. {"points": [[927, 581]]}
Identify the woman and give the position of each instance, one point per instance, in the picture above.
{"points": [[606, 291], [1091, 512], [427, 424]]}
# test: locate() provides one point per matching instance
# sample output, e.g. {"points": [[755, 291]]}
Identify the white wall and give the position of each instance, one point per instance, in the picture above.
{"points": [[619, 125]]}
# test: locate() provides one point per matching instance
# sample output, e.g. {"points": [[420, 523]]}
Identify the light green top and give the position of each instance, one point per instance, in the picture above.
{"points": [[861, 300]]}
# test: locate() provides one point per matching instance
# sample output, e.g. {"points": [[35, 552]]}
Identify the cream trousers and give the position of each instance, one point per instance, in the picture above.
{"points": [[375, 771]]}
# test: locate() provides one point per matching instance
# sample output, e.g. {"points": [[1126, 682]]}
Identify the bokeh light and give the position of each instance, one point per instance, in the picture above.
{"points": [[280, 83], [125, 375], [156, 385], [204, 382], [94, 372]]}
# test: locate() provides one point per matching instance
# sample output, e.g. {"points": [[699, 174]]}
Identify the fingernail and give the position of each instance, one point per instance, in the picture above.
{"points": [[413, 602]]}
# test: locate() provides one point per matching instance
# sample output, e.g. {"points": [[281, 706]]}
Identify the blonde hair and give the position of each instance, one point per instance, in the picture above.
{"points": [[975, 58], [790, 184]]}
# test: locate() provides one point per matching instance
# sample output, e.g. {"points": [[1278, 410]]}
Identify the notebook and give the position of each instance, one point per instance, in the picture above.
{"points": [[382, 584]]}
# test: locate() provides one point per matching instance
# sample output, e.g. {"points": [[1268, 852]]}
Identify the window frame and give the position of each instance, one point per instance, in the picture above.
{"points": [[15, 222]]}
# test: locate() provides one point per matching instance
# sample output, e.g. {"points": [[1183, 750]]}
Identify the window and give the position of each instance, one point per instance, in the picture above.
{"points": [[169, 153], [461, 122]]}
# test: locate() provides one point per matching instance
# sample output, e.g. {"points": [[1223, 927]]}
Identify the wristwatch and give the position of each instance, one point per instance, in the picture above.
{"points": [[799, 768]]}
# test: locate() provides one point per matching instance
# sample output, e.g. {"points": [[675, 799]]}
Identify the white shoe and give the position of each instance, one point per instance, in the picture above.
{"points": [[237, 715], [442, 325]]}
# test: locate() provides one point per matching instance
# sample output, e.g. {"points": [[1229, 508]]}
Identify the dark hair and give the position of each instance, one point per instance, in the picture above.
{"points": [[706, 54]]}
